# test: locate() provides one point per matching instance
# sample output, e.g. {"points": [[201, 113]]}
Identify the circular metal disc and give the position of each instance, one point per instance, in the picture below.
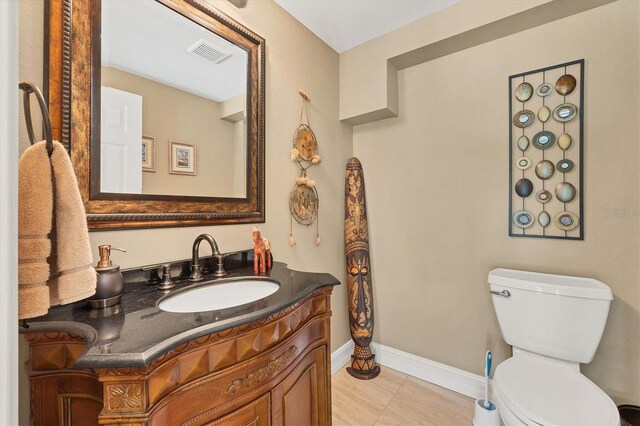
{"points": [[565, 192], [524, 92], [523, 163], [544, 169], [565, 84], [543, 196], [523, 219], [524, 187], [565, 166], [544, 139], [544, 89], [524, 118], [566, 221], [564, 113]]}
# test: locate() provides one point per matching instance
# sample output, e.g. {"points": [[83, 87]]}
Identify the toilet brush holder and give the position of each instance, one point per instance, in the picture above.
{"points": [[486, 416]]}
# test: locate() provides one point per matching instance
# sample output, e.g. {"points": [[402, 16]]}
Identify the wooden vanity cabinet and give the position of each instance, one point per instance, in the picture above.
{"points": [[274, 371]]}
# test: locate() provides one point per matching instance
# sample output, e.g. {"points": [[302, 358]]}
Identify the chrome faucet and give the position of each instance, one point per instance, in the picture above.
{"points": [[196, 275]]}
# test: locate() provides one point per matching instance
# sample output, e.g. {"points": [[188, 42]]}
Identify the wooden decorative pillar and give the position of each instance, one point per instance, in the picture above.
{"points": [[360, 294], [61, 395]]}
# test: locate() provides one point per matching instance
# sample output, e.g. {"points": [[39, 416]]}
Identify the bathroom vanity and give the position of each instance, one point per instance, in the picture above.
{"points": [[261, 363]]}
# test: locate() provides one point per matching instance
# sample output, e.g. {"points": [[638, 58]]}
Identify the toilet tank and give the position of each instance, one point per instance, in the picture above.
{"points": [[558, 316]]}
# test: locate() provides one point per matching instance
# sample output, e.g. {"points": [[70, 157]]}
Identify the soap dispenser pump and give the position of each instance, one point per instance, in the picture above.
{"points": [[110, 285]]}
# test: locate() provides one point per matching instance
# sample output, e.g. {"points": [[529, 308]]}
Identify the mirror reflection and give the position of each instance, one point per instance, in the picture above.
{"points": [[173, 105]]}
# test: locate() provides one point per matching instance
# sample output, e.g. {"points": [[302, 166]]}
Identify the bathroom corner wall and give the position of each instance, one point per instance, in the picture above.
{"points": [[437, 189], [295, 59]]}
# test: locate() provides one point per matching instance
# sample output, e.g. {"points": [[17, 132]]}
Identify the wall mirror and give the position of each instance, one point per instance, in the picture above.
{"points": [[161, 105]]}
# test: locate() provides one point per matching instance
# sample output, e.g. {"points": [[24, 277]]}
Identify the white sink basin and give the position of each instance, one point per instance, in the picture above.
{"points": [[219, 295]]}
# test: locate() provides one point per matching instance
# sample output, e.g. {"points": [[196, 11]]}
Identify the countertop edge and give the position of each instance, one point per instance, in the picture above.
{"points": [[88, 360]]}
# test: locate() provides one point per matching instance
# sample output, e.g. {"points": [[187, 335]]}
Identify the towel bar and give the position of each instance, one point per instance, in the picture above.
{"points": [[29, 88]]}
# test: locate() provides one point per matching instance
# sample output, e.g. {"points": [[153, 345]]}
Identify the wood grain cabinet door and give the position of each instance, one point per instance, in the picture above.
{"points": [[66, 400], [302, 398], [255, 413]]}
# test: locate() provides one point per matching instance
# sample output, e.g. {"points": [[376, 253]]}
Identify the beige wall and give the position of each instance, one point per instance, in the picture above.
{"points": [[170, 114], [30, 35], [286, 40], [437, 180], [369, 92]]}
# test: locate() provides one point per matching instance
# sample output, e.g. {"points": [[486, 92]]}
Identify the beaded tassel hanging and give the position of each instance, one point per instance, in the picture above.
{"points": [[304, 201]]}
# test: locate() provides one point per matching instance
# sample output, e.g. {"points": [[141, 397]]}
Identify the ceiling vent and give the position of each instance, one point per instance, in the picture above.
{"points": [[208, 51]]}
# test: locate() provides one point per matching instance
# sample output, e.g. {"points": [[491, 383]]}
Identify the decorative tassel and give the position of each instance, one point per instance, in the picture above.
{"points": [[294, 154], [310, 183], [316, 159], [292, 241], [318, 228], [302, 181]]}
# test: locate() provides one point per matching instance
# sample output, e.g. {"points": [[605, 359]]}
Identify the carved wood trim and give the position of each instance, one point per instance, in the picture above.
{"points": [[203, 356], [53, 351], [36, 398], [263, 373], [52, 337], [313, 337], [124, 397]]}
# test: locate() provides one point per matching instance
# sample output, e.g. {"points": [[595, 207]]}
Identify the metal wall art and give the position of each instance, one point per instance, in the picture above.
{"points": [[546, 121], [303, 200]]}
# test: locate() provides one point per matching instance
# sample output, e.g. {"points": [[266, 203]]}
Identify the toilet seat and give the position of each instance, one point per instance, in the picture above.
{"points": [[545, 392]]}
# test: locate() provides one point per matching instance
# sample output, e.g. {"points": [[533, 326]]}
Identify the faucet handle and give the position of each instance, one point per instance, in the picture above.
{"points": [[166, 283], [154, 273]]}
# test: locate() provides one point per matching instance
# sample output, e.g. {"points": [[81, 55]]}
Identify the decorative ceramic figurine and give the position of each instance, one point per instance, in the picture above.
{"points": [[261, 252], [360, 294]]}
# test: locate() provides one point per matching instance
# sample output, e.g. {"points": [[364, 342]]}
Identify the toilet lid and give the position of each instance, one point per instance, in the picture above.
{"points": [[549, 393]]}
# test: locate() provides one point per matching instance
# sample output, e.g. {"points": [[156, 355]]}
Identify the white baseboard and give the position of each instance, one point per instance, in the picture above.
{"points": [[341, 356], [452, 378]]}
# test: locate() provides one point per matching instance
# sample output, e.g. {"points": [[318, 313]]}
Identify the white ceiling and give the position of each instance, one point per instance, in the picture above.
{"points": [[344, 24], [150, 40]]}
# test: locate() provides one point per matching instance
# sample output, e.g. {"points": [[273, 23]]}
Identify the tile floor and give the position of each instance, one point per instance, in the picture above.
{"points": [[394, 398]]}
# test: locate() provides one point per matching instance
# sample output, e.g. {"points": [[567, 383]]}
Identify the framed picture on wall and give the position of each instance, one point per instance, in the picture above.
{"points": [[182, 158], [148, 154]]}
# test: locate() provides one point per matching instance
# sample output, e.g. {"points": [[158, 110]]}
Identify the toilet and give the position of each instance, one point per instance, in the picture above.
{"points": [[554, 323]]}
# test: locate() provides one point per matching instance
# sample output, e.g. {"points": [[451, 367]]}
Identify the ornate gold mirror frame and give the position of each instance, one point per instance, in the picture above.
{"points": [[72, 79]]}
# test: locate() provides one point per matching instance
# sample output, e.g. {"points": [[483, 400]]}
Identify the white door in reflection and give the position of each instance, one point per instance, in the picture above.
{"points": [[120, 142]]}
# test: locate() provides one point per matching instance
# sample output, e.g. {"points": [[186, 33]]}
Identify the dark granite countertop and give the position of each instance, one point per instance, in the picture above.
{"points": [[135, 332]]}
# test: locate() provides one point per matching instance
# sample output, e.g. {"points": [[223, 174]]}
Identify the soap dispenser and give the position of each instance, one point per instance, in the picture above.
{"points": [[110, 285]]}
